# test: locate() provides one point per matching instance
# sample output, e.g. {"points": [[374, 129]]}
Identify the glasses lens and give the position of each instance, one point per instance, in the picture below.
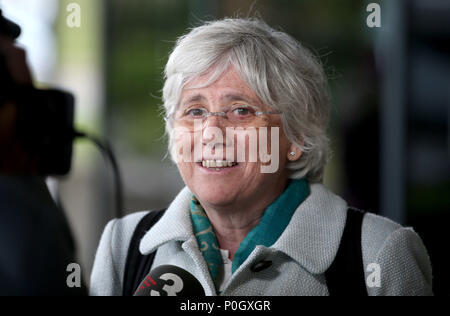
{"points": [[239, 115], [187, 117], [242, 115]]}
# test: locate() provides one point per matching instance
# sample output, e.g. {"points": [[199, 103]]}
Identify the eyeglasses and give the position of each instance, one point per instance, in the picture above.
{"points": [[237, 115]]}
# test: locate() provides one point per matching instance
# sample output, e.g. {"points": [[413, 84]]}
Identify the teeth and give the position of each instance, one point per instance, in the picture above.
{"points": [[217, 164]]}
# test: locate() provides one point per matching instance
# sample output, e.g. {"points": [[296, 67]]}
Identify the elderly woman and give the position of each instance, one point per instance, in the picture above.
{"points": [[250, 222]]}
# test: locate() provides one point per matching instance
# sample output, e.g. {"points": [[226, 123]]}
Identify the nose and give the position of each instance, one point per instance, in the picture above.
{"points": [[214, 120], [211, 127], [214, 134]]}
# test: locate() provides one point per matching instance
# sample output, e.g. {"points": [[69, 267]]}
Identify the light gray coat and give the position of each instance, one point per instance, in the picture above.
{"points": [[300, 257]]}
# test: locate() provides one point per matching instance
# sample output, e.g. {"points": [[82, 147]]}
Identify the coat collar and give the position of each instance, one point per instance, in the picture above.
{"points": [[312, 237], [175, 224]]}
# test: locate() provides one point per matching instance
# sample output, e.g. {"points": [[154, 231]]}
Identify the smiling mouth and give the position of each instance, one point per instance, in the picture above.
{"points": [[217, 164]]}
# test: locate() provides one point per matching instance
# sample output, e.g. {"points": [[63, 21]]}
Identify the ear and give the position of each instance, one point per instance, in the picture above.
{"points": [[294, 153]]}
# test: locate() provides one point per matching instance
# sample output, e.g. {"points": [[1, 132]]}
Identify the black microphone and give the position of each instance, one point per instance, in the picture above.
{"points": [[168, 280]]}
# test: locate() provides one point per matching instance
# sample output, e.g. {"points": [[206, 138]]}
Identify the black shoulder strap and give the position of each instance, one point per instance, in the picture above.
{"points": [[345, 276], [137, 265]]}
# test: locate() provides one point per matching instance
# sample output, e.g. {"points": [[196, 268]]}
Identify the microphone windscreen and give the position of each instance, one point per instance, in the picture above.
{"points": [[169, 280]]}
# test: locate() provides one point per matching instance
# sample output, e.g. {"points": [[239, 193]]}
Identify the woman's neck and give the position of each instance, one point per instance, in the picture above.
{"points": [[233, 222], [231, 229]]}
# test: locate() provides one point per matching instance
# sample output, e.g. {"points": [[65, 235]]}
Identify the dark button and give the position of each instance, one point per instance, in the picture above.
{"points": [[262, 265]]}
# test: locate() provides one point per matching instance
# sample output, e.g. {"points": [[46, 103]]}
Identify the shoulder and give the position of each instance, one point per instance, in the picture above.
{"points": [[376, 230], [119, 231], [400, 254], [109, 263]]}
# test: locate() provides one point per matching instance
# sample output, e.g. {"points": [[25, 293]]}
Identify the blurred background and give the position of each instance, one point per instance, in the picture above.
{"points": [[390, 89]]}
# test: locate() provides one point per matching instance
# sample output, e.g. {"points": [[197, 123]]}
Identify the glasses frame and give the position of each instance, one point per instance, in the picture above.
{"points": [[206, 113]]}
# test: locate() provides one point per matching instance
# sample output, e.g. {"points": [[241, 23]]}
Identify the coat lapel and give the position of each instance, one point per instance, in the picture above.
{"points": [[312, 237], [174, 225]]}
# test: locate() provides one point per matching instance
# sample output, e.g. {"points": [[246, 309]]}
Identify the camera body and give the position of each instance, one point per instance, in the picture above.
{"points": [[45, 116]]}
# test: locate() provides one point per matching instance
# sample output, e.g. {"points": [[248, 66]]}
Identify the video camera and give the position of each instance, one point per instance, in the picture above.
{"points": [[45, 116]]}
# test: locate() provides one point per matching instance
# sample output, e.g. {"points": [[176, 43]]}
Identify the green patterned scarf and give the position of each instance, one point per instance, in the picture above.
{"points": [[206, 238]]}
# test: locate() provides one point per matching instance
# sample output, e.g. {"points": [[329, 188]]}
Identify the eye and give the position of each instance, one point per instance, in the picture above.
{"points": [[195, 112], [243, 110]]}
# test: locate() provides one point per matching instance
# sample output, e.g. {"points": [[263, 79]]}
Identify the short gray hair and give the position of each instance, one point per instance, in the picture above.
{"points": [[283, 74]]}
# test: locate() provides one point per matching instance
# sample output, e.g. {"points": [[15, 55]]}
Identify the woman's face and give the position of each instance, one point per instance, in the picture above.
{"points": [[244, 182]]}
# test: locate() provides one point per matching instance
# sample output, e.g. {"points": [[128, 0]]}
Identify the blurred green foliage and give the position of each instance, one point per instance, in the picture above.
{"points": [[140, 35]]}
